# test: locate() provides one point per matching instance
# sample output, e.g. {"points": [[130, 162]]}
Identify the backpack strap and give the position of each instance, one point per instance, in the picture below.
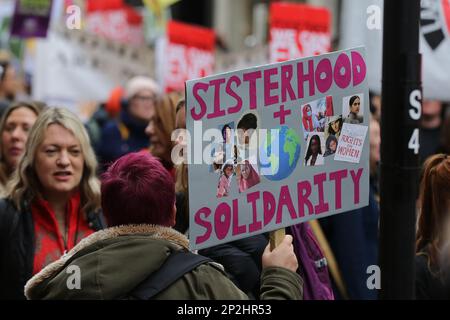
{"points": [[176, 265]]}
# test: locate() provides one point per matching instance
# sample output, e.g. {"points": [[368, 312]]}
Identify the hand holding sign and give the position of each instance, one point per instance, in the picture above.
{"points": [[282, 256]]}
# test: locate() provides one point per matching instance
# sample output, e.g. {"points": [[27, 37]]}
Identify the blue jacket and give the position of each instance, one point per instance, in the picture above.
{"points": [[121, 136]]}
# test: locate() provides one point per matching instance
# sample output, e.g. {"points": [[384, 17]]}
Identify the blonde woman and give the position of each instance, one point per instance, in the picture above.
{"points": [[53, 200], [15, 126]]}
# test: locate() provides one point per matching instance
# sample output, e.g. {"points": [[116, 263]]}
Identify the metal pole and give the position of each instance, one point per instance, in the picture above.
{"points": [[401, 111]]}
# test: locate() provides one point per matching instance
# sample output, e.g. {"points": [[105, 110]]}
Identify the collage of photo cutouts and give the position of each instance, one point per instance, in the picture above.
{"points": [[229, 161], [321, 127]]}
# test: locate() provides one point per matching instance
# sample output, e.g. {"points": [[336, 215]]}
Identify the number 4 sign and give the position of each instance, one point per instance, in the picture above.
{"points": [[415, 112]]}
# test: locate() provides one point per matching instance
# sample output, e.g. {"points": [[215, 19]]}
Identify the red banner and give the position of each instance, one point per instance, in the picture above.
{"points": [[189, 54], [115, 20], [298, 30], [446, 10]]}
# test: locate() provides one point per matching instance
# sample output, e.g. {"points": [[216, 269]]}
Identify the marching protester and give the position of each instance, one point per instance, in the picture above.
{"points": [[144, 236], [127, 133], [433, 232], [181, 181], [105, 112], [8, 85], [53, 200], [15, 126], [160, 128]]}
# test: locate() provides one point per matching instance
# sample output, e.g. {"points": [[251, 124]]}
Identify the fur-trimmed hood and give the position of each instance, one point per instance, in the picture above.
{"points": [[109, 263]]}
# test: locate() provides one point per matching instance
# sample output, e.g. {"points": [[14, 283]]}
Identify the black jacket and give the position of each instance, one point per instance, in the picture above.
{"points": [[17, 247], [429, 284]]}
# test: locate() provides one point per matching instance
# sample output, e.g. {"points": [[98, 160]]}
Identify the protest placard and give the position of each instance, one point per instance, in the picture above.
{"points": [[298, 30], [270, 172], [31, 18], [189, 54], [69, 63]]}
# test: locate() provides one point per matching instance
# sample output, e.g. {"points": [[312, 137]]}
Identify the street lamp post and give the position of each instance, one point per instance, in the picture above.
{"points": [[401, 111]]}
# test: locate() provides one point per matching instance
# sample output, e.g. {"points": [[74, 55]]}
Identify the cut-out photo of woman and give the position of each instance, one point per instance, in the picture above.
{"points": [[228, 140], [314, 154], [246, 127], [334, 126], [355, 110], [330, 146], [223, 189], [247, 176], [309, 120], [226, 134]]}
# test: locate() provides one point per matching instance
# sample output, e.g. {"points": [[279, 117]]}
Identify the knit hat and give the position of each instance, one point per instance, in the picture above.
{"points": [[139, 83], [113, 105]]}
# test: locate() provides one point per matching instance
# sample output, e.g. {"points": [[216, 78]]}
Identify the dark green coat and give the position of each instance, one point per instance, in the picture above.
{"points": [[112, 262]]}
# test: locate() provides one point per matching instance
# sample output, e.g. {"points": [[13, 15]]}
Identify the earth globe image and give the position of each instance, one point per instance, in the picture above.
{"points": [[279, 153]]}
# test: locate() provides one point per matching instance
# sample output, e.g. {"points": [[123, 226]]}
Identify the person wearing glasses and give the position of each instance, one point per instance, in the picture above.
{"points": [[127, 133]]}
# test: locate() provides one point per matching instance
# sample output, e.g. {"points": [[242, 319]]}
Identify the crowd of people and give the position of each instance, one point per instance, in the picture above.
{"points": [[104, 193]]}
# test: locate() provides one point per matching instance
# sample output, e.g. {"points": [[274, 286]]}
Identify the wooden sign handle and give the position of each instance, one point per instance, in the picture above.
{"points": [[276, 237]]}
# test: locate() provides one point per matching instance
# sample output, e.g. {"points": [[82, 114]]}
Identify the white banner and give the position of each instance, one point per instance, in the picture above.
{"points": [[73, 68], [362, 23]]}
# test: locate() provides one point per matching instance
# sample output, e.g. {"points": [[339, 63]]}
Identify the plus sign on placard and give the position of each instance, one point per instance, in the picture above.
{"points": [[282, 114]]}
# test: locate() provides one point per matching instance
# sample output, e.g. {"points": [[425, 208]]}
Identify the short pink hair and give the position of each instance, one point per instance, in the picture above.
{"points": [[137, 189]]}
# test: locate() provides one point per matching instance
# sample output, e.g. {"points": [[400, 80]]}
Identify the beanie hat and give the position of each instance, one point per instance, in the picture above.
{"points": [[139, 83], [113, 105]]}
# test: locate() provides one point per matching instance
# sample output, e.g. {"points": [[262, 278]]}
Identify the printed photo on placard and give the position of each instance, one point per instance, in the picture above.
{"points": [[333, 126], [225, 178], [352, 109], [246, 127], [227, 134], [314, 155], [331, 144], [217, 157], [246, 175], [351, 143], [223, 150], [247, 138], [314, 114]]}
